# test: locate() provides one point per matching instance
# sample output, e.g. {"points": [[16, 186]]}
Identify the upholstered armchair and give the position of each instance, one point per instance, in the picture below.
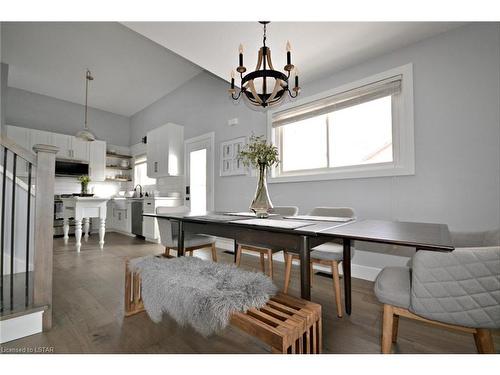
{"points": [[458, 290], [329, 254], [169, 234], [265, 251]]}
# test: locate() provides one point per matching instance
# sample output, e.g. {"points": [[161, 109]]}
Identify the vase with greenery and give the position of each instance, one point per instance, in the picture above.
{"points": [[84, 181], [262, 156]]}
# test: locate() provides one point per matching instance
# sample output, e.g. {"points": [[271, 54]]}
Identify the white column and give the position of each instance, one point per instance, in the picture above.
{"points": [[66, 230], [102, 231], [78, 234], [86, 227]]}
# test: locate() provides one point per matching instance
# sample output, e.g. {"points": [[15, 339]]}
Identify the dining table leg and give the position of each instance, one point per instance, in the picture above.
{"points": [[305, 269], [180, 240], [346, 268]]}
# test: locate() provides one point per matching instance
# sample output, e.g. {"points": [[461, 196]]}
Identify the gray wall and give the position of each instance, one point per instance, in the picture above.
{"points": [[42, 112], [457, 135], [4, 74]]}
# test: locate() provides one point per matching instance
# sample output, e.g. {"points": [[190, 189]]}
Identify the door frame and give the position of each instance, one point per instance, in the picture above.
{"points": [[210, 165]]}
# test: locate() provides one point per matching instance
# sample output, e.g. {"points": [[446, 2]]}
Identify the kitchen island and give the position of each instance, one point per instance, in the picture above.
{"points": [[82, 209]]}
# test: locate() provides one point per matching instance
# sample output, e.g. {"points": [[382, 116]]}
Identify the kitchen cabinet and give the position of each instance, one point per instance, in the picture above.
{"points": [[97, 160], [70, 147], [63, 142], [165, 151], [19, 135], [80, 149], [119, 216], [39, 137]]}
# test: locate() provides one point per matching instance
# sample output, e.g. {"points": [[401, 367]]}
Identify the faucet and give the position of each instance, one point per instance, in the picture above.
{"points": [[140, 191]]}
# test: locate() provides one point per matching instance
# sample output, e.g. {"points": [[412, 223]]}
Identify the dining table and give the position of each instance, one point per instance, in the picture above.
{"points": [[300, 235]]}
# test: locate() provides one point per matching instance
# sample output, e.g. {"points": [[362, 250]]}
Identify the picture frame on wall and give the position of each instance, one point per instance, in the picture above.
{"points": [[230, 164]]}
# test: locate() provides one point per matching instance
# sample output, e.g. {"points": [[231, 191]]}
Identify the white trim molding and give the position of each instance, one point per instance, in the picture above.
{"points": [[403, 133]]}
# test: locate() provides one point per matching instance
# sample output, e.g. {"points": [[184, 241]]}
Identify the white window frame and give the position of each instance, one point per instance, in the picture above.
{"points": [[136, 162], [403, 142]]}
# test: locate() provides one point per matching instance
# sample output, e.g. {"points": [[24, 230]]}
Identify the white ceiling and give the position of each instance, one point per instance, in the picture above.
{"points": [[318, 48], [130, 71]]}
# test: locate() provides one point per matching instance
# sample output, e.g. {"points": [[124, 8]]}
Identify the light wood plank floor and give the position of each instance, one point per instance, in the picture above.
{"points": [[88, 312]]}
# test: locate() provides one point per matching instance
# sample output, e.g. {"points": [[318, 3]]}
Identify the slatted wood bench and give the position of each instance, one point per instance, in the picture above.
{"points": [[287, 324]]}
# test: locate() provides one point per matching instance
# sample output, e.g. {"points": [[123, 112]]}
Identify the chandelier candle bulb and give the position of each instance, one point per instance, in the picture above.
{"points": [[232, 80], [240, 49], [288, 53]]}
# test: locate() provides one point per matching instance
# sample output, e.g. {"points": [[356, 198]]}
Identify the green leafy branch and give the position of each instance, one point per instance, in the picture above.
{"points": [[259, 153]]}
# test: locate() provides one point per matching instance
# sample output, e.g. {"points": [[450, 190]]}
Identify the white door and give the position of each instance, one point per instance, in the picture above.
{"points": [[199, 162]]}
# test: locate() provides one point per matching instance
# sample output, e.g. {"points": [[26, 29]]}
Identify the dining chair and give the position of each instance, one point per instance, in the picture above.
{"points": [[169, 235], [265, 251], [328, 254], [458, 290]]}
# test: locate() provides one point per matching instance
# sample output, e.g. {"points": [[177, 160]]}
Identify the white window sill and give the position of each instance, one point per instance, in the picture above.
{"points": [[382, 170]]}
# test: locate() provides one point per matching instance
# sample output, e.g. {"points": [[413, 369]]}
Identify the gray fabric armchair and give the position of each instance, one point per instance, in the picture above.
{"points": [[459, 290], [169, 234], [329, 254], [265, 251]]}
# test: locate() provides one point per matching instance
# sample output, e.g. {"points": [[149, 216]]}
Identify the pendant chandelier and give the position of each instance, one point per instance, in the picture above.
{"points": [[265, 86], [86, 134]]}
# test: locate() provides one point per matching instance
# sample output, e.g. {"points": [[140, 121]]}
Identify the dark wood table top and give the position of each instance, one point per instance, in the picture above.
{"points": [[306, 227], [420, 235]]}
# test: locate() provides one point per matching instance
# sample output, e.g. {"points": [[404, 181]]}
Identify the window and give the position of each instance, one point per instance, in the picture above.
{"points": [[141, 172], [364, 129]]}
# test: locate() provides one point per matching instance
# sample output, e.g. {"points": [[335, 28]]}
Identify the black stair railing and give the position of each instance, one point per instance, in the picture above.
{"points": [[10, 298]]}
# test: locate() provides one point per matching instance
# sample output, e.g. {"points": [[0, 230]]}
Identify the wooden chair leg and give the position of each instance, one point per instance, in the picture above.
{"points": [[238, 255], [214, 252], [336, 287], [395, 326], [484, 341], [288, 271], [167, 251], [262, 263], [387, 325], [270, 263]]}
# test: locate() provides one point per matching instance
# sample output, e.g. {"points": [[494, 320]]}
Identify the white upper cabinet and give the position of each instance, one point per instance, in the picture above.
{"points": [[63, 142], [79, 149], [40, 137], [165, 151], [69, 148], [19, 135], [97, 160]]}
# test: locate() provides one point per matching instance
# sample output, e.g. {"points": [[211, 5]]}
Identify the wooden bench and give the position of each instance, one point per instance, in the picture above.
{"points": [[287, 324]]}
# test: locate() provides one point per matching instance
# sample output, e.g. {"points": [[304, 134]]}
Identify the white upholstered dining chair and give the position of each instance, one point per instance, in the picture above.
{"points": [[169, 235], [328, 254], [265, 251]]}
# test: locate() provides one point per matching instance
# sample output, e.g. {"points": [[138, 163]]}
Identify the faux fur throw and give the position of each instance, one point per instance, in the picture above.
{"points": [[201, 293]]}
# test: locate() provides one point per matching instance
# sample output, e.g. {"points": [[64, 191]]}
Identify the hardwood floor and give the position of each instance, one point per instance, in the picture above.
{"points": [[88, 312]]}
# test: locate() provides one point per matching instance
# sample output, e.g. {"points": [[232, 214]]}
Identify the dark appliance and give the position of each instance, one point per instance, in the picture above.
{"points": [[71, 168]]}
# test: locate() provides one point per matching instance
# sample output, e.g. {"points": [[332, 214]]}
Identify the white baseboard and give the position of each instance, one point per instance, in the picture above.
{"points": [[21, 326], [366, 265]]}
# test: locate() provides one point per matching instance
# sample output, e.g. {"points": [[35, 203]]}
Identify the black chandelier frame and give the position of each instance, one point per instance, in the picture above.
{"points": [[281, 86]]}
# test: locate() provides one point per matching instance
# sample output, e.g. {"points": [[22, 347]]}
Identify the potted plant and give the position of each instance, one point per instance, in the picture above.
{"points": [[84, 181], [260, 155]]}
